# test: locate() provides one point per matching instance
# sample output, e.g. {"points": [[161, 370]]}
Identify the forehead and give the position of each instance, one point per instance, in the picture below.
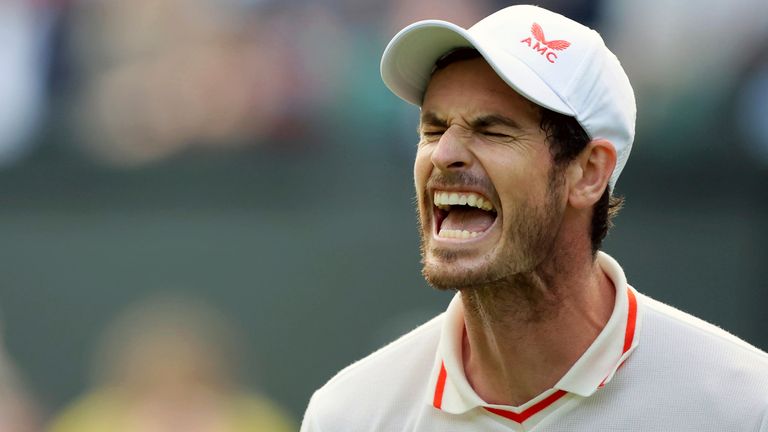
{"points": [[472, 87]]}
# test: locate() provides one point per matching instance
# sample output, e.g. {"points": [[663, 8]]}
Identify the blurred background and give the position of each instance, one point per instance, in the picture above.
{"points": [[237, 167]]}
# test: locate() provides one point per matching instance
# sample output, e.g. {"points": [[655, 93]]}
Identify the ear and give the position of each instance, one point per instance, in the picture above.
{"points": [[590, 172]]}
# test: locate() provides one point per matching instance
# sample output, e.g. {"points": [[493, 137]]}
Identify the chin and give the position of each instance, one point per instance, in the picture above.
{"points": [[443, 281], [446, 268], [449, 273]]}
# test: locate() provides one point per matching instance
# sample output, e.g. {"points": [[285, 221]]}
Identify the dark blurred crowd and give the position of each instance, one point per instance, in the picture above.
{"points": [[140, 81], [144, 80], [134, 82]]}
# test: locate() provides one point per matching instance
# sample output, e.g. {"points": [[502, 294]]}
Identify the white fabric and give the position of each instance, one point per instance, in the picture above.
{"points": [[553, 61], [679, 374]]}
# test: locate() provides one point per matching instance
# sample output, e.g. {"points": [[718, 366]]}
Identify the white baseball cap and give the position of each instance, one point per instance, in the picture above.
{"points": [[551, 60]]}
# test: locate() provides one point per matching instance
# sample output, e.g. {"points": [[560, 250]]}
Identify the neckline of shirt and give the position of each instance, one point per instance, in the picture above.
{"points": [[450, 391]]}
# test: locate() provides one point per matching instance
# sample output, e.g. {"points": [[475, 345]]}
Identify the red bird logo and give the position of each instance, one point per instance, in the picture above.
{"points": [[538, 33]]}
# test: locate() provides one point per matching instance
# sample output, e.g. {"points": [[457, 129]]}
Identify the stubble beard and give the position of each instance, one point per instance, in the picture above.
{"points": [[529, 240]]}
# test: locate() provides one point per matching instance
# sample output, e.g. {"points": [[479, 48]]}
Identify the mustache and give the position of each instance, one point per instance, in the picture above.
{"points": [[441, 179]]}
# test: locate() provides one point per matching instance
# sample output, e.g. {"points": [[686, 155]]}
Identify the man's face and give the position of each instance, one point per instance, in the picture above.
{"points": [[489, 197]]}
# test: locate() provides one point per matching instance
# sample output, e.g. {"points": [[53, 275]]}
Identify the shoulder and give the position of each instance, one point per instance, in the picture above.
{"points": [[418, 344], [692, 332], [395, 375], [693, 362]]}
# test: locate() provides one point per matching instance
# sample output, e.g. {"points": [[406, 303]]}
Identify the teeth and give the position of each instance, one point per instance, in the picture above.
{"points": [[444, 199], [457, 234]]}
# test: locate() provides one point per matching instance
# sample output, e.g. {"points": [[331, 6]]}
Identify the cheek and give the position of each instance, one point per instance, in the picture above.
{"points": [[422, 167], [519, 184]]}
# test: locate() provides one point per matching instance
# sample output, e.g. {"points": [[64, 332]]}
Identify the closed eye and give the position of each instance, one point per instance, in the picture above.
{"points": [[495, 134], [432, 135]]}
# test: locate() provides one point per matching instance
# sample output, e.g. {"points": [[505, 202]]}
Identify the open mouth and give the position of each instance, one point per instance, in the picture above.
{"points": [[462, 215]]}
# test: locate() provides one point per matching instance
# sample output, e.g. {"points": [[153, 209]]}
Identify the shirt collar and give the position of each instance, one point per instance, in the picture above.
{"points": [[450, 391]]}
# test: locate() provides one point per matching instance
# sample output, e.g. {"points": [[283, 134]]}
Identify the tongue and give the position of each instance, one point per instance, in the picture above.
{"points": [[468, 219]]}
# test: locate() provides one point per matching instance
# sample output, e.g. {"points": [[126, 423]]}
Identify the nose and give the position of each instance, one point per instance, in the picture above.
{"points": [[451, 151]]}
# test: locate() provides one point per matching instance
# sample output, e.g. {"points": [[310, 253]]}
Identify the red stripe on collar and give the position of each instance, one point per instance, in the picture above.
{"points": [[523, 416], [629, 336], [440, 387]]}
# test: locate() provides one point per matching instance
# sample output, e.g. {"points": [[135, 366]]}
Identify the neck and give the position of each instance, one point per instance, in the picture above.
{"points": [[522, 334]]}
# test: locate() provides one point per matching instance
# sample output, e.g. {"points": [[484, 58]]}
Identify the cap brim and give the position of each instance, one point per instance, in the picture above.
{"points": [[409, 60]]}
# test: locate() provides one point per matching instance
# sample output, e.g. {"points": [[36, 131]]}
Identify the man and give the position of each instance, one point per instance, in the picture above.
{"points": [[527, 120]]}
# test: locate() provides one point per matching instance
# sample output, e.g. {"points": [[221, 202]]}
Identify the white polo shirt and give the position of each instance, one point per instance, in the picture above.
{"points": [[651, 368]]}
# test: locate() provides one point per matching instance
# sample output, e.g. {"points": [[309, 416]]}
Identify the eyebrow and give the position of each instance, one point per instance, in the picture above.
{"points": [[481, 122], [430, 118]]}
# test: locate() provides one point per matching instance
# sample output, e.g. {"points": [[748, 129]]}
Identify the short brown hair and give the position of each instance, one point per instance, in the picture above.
{"points": [[567, 139]]}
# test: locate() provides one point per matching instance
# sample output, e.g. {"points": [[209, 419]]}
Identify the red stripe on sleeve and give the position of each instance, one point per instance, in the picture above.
{"points": [[437, 402]]}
